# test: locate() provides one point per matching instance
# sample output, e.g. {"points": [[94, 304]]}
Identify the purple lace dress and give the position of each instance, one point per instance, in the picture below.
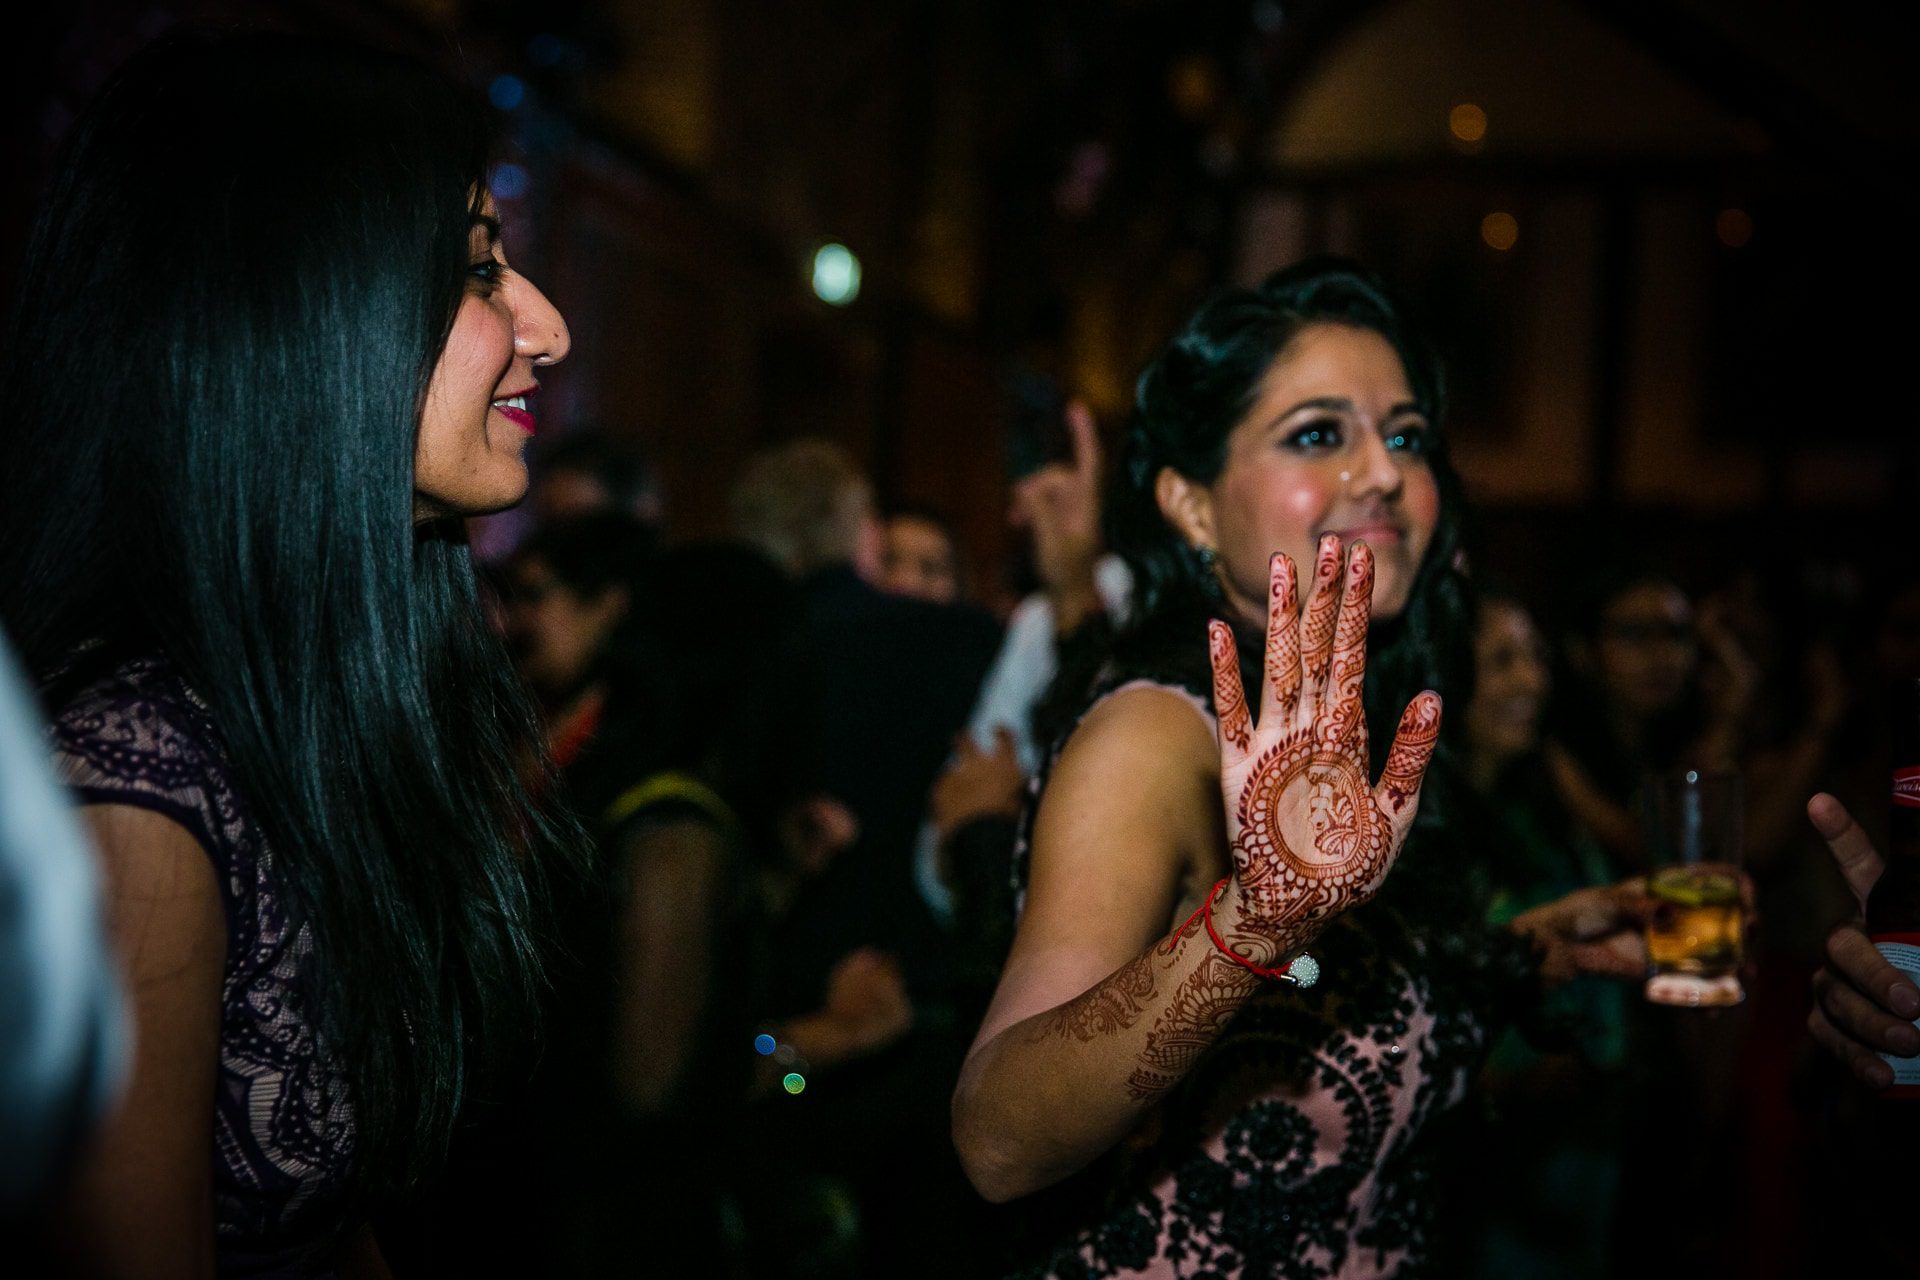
{"points": [[283, 1132], [1300, 1145]]}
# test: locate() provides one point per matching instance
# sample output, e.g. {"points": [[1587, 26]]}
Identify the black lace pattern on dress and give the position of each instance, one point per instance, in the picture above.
{"points": [[1296, 1146], [283, 1135]]}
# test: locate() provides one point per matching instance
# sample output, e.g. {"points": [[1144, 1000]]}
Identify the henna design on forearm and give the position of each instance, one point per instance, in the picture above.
{"points": [[1199, 1010], [1117, 1003], [1113, 1006]]}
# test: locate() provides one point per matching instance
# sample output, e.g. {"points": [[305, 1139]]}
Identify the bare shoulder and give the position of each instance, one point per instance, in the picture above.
{"points": [[165, 911], [141, 1202], [1144, 755], [671, 857], [1146, 720], [1131, 807]]}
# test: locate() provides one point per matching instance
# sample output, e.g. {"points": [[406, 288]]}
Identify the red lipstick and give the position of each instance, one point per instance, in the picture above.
{"points": [[518, 416]]}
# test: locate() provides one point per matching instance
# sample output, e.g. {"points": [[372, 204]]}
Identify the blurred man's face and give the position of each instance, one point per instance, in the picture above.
{"points": [[920, 561], [1646, 648], [556, 636], [1510, 682]]}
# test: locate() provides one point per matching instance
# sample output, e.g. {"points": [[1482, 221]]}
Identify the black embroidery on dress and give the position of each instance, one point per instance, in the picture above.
{"points": [[1294, 1148], [283, 1129]]}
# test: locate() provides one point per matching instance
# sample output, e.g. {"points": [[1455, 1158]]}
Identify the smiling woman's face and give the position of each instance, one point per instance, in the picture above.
{"points": [[468, 456], [1333, 444]]}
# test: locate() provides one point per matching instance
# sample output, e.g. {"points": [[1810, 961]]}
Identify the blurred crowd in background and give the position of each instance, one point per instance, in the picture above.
{"points": [[816, 518], [803, 750]]}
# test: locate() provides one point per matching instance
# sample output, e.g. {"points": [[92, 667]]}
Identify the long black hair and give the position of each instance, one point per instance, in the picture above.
{"points": [[229, 312]]}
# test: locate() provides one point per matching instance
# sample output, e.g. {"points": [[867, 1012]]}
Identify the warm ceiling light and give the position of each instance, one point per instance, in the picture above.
{"points": [[1467, 122], [1500, 230]]}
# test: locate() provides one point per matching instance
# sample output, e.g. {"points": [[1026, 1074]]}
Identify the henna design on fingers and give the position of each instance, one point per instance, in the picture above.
{"points": [[1317, 626], [1229, 699], [1412, 749], [1283, 638], [1343, 714]]}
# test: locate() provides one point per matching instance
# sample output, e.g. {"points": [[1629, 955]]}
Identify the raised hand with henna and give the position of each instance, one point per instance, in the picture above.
{"points": [[1131, 824], [1310, 836]]}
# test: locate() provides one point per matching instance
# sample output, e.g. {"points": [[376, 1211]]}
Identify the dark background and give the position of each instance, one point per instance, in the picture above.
{"points": [[1699, 333], [1693, 344]]}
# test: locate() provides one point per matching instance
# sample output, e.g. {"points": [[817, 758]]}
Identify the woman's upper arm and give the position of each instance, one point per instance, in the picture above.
{"points": [[1129, 807], [142, 1203], [673, 874]]}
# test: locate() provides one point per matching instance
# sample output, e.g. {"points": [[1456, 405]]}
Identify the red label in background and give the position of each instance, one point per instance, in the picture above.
{"points": [[1906, 787]]}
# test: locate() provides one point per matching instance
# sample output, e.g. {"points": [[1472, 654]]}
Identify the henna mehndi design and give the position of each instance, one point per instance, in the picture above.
{"points": [[1193, 1018], [1230, 701], [1283, 655], [1310, 837], [1317, 622], [1412, 748], [1118, 1001], [1112, 1006]]}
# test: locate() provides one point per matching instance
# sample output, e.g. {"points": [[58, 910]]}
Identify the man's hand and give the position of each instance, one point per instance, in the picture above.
{"points": [[1863, 1006]]}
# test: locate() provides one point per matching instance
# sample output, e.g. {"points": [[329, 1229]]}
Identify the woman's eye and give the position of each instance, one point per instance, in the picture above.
{"points": [[1323, 433], [1409, 439], [488, 272]]}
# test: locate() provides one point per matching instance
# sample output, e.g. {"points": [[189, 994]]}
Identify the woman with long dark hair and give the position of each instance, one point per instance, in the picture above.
{"points": [[1159, 1017], [265, 354]]}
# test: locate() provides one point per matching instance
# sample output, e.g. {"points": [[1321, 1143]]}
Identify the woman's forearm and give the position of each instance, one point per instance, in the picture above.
{"points": [[1044, 1097]]}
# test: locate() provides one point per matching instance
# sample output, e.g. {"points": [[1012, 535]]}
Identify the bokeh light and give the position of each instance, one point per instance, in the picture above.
{"points": [[836, 274], [1500, 230], [509, 182], [793, 1082], [1734, 227], [507, 91], [764, 1044], [1468, 123]]}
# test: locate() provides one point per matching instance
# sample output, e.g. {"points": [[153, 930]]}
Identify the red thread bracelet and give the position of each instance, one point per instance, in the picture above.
{"points": [[1206, 913]]}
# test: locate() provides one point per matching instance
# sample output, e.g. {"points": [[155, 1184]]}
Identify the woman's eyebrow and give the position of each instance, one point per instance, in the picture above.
{"points": [[491, 223], [1330, 404]]}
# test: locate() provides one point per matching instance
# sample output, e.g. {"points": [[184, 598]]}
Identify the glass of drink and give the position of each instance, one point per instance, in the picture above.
{"points": [[1694, 931]]}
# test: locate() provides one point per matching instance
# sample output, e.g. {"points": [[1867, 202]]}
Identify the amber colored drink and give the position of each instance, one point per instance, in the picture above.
{"points": [[1694, 931], [1694, 936]]}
